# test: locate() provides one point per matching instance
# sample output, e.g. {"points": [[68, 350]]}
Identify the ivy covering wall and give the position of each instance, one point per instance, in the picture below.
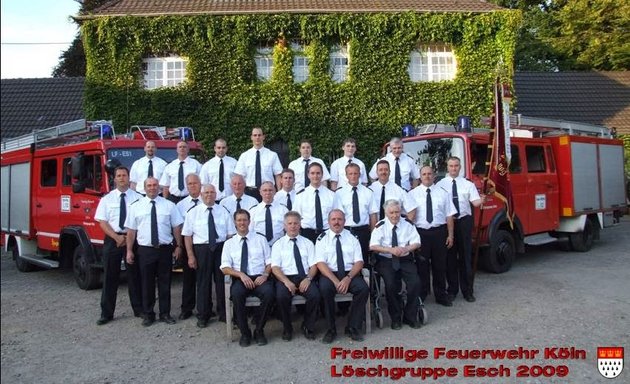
{"points": [[222, 96]]}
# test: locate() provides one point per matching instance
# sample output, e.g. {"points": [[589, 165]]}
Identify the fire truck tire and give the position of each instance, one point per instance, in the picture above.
{"points": [[86, 277], [583, 241], [501, 253], [21, 264]]}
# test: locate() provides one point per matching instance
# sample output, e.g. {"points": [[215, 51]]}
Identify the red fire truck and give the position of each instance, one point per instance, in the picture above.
{"points": [[567, 182], [52, 181]]}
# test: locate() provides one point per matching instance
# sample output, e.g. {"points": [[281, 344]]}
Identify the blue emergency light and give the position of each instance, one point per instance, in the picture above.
{"points": [[408, 130], [186, 133]]}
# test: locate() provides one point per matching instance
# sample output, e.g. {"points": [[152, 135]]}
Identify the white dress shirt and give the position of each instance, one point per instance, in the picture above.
{"points": [[466, 192], [408, 169], [282, 254], [269, 166], [187, 203], [140, 171], [139, 218], [109, 207], [209, 174], [326, 249], [343, 196], [406, 234], [171, 173], [338, 171], [259, 254], [247, 203], [297, 166], [392, 192], [258, 224], [196, 223], [305, 205], [281, 197], [441, 203]]}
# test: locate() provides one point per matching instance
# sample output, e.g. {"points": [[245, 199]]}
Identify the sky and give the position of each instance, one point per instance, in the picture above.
{"points": [[35, 25]]}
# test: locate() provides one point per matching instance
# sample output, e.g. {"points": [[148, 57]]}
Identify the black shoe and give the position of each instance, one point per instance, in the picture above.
{"points": [[470, 298], [245, 341], [202, 323], [148, 321], [396, 325], [451, 296], [222, 319], [310, 335], [445, 302], [212, 314], [103, 320], [185, 315], [259, 336], [413, 324], [287, 335], [354, 334], [167, 319], [137, 313], [329, 337]]}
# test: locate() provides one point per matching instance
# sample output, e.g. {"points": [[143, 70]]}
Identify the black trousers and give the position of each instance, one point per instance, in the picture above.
{"points": [[156, 264], [362, 233], [393, 284], [310, 233], [112, 258], [208, 262], [360, 292], [283, 299], [188, 285], [239, 293], [253, 192], [433, 255], [459, 258]]}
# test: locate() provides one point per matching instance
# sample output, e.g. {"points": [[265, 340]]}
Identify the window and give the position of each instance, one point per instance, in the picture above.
{"points": [[515, 161], [535, 159], [432, 63], [49, 173], [67, 171], [264, 62], [300, 63], [163, 72], [339, 63]]}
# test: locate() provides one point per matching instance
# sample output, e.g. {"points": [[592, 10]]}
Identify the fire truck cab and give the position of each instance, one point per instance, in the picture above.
{"points": [[567, 182], [52, 182]]}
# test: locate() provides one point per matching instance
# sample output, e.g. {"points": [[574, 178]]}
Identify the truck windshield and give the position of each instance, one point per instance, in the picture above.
{"points": [[435, 152], [127, 156]]}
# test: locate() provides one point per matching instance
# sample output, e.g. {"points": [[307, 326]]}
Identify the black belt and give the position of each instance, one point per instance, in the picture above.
{"points": [[122, 233], [432, 228], [462, 217], [357, 228], [157, 246]]}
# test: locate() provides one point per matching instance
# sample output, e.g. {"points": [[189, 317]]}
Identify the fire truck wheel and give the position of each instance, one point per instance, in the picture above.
{"points": [[86, 277], [21, 264], [502, 252], [583, 241]]}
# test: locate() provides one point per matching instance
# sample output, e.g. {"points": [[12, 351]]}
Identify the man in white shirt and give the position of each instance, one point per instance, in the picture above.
{"points": [[301, 164], [217, 171], [294, 265], [173, 179], [384, 189], [404, 171], [267, 217], [238, 199], [338, 167], [258, 164], [459, 259], [148, 166], [286, 193], [314, 203]]}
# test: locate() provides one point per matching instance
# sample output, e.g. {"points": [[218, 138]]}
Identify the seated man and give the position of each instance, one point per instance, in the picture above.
{"points": [[394, 241], [246, 257], [340, 262], [294, 266]]}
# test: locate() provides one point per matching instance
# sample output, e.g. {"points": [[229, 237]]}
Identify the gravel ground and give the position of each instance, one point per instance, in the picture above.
{"points": [[549, 299]]}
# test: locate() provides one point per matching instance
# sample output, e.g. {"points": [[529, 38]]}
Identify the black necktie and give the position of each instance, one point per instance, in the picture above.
{"points": [[268, 223], [397, 178], [212, 230], [307, 182], [258, 170], [238, 203], [221, 180], [150, 173], [395, 260], [244, 256], [289, 203], [122, 213], [381, 211], [455, 198], [180, 176], [195, 202], [298, 259], [349, 161], [429, 206], [356, 215], [341, 266], [155, 238], [319, 220]]}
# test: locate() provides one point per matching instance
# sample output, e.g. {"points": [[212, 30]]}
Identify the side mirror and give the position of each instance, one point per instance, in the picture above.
{"points": [[78, 166], [111, 165], [78, 187]]}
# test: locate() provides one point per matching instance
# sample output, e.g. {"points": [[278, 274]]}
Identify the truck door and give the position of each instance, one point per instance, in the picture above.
{"points": [[542, 188], [48, 204], [82, 205]]}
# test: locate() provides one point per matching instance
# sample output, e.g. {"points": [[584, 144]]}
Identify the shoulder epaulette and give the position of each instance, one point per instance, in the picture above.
{"points": [[409, 221], [321, 236], [227, 210], [301, 191], [135, 201], [261, 235], [379, 223], [409, 156], [338, 189]]}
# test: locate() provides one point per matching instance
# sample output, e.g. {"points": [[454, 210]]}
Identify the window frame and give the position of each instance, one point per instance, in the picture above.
{"points": [[264, 54], [426, 69], [299, 54], [339, 51], [164, 81]]}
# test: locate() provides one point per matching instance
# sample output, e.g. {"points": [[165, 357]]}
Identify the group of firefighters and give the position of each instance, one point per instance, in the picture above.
{"points": [[281, 232]]}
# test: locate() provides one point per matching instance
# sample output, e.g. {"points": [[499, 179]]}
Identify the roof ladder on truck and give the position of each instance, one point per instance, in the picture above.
{"points": [[546, 127]]}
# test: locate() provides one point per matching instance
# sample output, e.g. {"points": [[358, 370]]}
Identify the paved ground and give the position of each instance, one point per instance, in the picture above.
{"points": [[549, 299]]}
